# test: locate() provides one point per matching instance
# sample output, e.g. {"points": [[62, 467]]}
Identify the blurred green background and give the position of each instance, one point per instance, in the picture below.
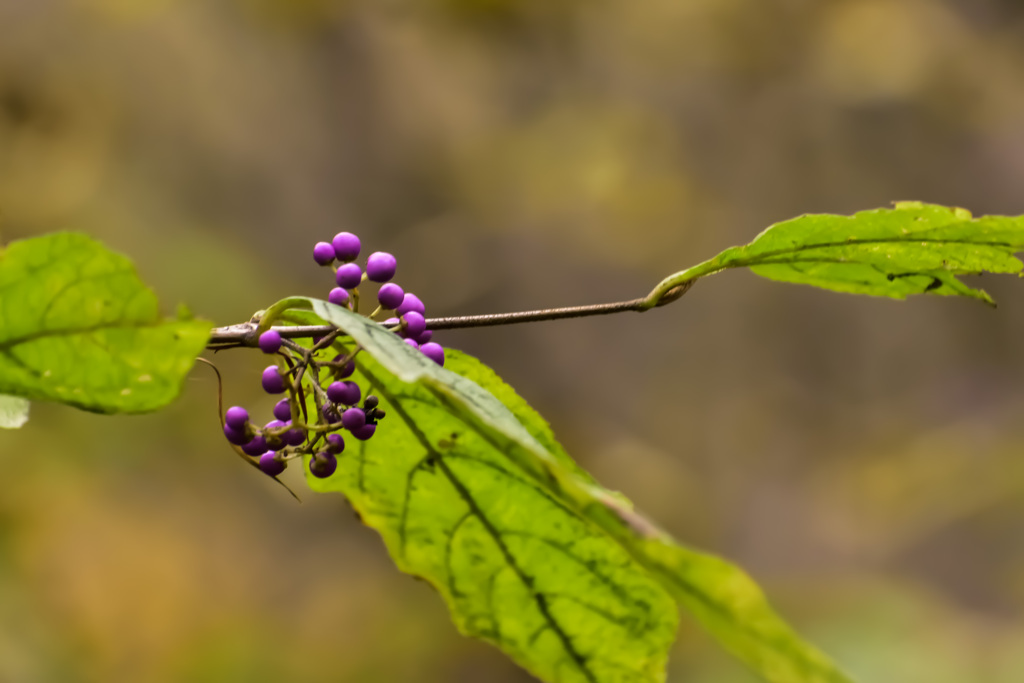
{"points": [[861, 458]]}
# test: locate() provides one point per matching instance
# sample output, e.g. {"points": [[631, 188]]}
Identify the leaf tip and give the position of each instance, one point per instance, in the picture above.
{"points": [[986, 299]]}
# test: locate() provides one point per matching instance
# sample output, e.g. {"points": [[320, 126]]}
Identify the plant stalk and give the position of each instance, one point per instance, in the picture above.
{"points": [[246, 334]]}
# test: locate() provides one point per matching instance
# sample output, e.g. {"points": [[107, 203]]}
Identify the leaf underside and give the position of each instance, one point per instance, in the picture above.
{"points": [[470, 490], [77, 326], [913, 248]]}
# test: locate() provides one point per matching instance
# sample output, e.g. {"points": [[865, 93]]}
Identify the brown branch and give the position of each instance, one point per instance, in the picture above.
{"points": [[244, 334]]}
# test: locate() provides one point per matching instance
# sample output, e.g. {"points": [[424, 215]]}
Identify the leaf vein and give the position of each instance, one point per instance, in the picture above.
{"points": [[578, 659]]}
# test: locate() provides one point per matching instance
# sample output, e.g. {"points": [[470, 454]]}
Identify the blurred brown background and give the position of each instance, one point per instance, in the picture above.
{"points": [[862, 458]]}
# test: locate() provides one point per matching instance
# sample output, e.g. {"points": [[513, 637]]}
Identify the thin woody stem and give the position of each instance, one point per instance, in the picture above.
{"points": [[244, 334]]}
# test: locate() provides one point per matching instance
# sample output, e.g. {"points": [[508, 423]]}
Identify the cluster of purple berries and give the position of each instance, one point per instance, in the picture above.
{"points": [[292, 434], [380, 268], [278, 441]]}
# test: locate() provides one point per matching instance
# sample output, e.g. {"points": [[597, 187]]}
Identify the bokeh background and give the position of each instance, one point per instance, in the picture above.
{"points": [[861, 458]]}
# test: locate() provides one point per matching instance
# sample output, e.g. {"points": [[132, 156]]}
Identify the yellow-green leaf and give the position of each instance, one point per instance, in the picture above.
{"points": [[913, 248], [77, 326]]}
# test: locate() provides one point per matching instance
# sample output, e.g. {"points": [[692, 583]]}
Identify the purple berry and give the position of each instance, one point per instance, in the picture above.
{"points": [[274, 425], [270, 464], [323, 253], [390, 295], [345, 370], [364, 432], [273, 383], [338, 296], [283, 410], [239, 438], [346, 246], [270, 341], [380, 267], [353, 418], [331, 414], [425, 336], [323, 464], [236, 418], [258, 446], [335, 443], [434, 352], [345, 393], [412, 342], [337, 391], [273, 442], [294, 437], [414, 324], [349, 276], [411, 302]]}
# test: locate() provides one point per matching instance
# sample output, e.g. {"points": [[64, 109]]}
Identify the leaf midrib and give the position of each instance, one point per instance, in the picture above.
{"points": [[69, 331], [769, 641], [753, 259], [438, 459]]}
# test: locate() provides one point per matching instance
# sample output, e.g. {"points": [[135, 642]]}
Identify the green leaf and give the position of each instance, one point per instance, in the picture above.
{"points": [[722, 597], [77, 326], [528, 551], [13, 412], [914, 248], [517, 567]]}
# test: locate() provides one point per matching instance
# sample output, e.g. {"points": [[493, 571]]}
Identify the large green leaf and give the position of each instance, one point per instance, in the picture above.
{"points": [[529, 552], [913, 248], [78, 326], [517, 566]]}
